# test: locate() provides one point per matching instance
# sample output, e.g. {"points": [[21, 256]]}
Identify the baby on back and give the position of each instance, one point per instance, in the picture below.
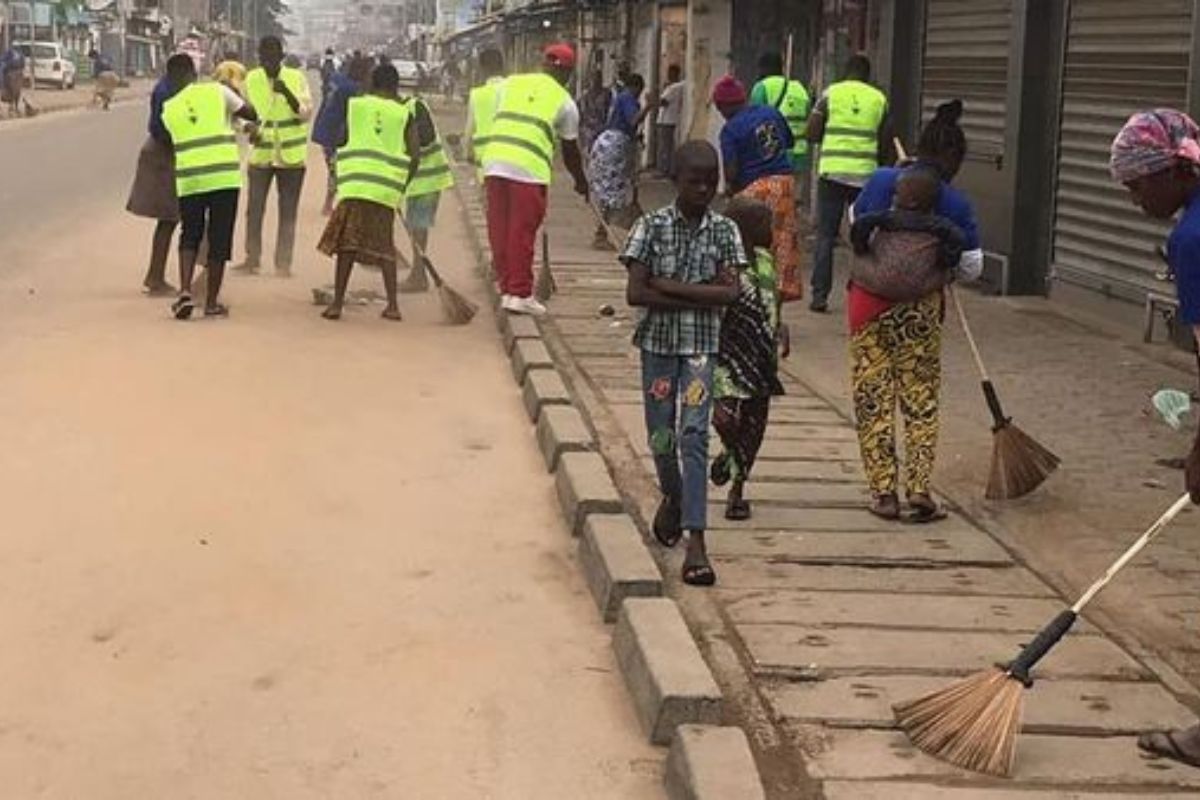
{"points": [[906, 252]]}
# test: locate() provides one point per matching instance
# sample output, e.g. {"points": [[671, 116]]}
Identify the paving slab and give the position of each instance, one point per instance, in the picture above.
{"points": [[544, 387], [1095, 708], [824, 415], [561, 429], [584, 487], [777, 404], [779, 517], [906, 790], [1047, 760], [670, 683], [883, 610], [829, 471], [792, 450], [529, 354], [800, 494], [616, 563], [874, 650], [838, 432], [711, 763], [852, 547], [741, 572]]}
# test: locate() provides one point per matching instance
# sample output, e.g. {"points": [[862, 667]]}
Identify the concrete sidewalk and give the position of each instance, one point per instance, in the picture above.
{"points": [[825, 616]]}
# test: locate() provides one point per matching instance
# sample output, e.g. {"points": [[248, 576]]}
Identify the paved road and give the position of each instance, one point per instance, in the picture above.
{"points": [[272, 556]]}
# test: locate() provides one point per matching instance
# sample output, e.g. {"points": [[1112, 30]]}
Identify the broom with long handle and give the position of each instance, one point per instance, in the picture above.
{"points": [[546, 285], [457, 309], [974, 723], [1019, 463]]}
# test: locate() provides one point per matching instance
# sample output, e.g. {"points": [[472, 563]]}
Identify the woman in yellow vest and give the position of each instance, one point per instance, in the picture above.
{"points": [[208, 176], [424, 192], [281, 96], [374, 166]]}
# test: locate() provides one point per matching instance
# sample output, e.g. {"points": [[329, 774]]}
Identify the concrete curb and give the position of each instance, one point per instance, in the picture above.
{"points": [[584, 487], [561, 429], [710, 763], [670, 682], [544, 388], [616, 563], [515, 327], [529, 354]]}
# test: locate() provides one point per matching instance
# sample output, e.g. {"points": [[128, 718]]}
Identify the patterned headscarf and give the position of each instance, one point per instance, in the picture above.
{"points": [[1152, 141]]}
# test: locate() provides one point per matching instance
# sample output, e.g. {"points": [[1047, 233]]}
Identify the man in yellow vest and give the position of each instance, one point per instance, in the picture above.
{"points": [[534, 112], [282, 99], [850, 123], [793, 101], [481, 106], [424, 192], [374, 166], [208, 176]]}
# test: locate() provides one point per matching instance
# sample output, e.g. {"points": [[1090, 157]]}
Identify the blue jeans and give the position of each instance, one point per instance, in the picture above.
{"points": [[832, 200], [678, 402]]}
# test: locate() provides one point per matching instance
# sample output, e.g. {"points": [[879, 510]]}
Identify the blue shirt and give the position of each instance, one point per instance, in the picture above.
{"points": [[879, 191], [759, 141], [624, 113], [161, 94], [329, 129], [1183, 255]]}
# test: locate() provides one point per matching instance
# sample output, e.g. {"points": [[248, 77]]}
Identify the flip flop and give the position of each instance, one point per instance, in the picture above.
{"points": [[738, 511], [923, 514], [668, 523], [1164, 745], [183, 307], [699, 575], [719, 473], [217, 310], [886, 506]]}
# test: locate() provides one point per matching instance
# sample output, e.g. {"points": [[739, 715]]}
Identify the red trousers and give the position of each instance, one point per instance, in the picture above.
{"points": [[515, 211]]}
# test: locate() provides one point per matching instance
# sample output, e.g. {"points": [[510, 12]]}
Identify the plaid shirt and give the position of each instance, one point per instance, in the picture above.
{"points": [[664, 242]]}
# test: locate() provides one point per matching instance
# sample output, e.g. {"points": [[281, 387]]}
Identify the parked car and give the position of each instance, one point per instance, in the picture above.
{"points": [[48, 62], [410, 74]]}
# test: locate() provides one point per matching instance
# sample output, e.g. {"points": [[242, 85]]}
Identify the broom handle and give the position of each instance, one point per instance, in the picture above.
{"points": [[433, 273], [1150, 535]]}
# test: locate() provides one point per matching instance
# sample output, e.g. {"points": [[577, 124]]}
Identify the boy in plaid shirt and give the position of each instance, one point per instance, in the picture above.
{"points": [[682, 263]]}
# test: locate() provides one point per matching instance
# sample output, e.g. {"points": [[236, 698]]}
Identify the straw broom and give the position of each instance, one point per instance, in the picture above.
{"points": [[1019, 463], [546, 286], [974, 723], [458, 310]]}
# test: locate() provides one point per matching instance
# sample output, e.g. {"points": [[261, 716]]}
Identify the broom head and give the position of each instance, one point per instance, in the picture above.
{"points": [[457, 309], [972, 724], [1019, 464]]}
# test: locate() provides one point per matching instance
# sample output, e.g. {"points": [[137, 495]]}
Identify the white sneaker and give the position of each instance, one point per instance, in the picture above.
{"points": [[506, 301], [525, 305]]}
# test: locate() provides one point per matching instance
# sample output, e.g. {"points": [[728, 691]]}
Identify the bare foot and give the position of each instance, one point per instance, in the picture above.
{"points": [[333, 312], [392, 313]]}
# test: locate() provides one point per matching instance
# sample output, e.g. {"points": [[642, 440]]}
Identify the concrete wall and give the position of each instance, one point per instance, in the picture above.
{"points": [[709, 33]]}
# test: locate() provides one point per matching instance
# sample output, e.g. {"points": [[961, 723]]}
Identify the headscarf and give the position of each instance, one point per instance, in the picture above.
{"points": [[729, 91], [1153, 141]]}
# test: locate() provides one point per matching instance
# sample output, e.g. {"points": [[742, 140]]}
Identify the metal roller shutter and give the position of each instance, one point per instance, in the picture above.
{"points": [[1122, 57], [966, 57]]}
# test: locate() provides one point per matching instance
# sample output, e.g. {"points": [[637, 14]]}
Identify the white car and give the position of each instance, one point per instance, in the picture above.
{"points": [[48, 62], [410, 74]]}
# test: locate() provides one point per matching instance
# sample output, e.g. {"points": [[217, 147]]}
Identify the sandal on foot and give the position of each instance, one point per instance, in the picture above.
{"points": [[720, 473], [216, 310], [699, 574], [183, 307], [668, 523], [331, 313], [922, 510], [737, 510], [392, 315], [1165, 745], [885, 506]]}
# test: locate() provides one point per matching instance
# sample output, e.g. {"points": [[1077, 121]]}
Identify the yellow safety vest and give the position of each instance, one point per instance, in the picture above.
{"points": [[206, 151], [522, 133], [483, 111], [792, 100], [851, 143], [433, 172], [373, 165], [280, 127]]}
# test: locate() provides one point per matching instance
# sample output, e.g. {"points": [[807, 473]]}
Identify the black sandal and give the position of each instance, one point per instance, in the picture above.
{"points": [[1164, 745], [668, 522], [923, 511], [183, 307], [720, 473], [885, 506], [737, 510], [699, 574]]}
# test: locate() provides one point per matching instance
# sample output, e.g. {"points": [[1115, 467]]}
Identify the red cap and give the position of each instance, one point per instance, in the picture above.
{"points": [[560, 55], [729, 91]]}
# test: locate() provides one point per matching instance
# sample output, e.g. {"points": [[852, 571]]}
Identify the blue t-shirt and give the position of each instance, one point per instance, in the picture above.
{"points": [[1183, 254], [759, 141], [329, 129], [880, 189], [161, 94], [624, 113]]}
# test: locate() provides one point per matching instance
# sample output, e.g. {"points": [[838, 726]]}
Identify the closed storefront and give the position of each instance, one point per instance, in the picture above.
{"points": [[966, 57], [1121, 56]]}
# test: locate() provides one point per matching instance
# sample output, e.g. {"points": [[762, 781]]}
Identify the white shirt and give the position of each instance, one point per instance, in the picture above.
{"points": [[670, 111], [566, 128]]}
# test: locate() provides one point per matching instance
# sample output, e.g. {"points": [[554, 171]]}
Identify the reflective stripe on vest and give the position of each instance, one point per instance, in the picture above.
{"points": [[851, 142], [483, 112], [795, 106], [433, 172], [280, 127], [373, 165], [206, 151], [522, 133]]}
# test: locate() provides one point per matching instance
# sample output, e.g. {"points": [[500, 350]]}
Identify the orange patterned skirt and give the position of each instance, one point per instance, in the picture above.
{"points": [[779, 193]]}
